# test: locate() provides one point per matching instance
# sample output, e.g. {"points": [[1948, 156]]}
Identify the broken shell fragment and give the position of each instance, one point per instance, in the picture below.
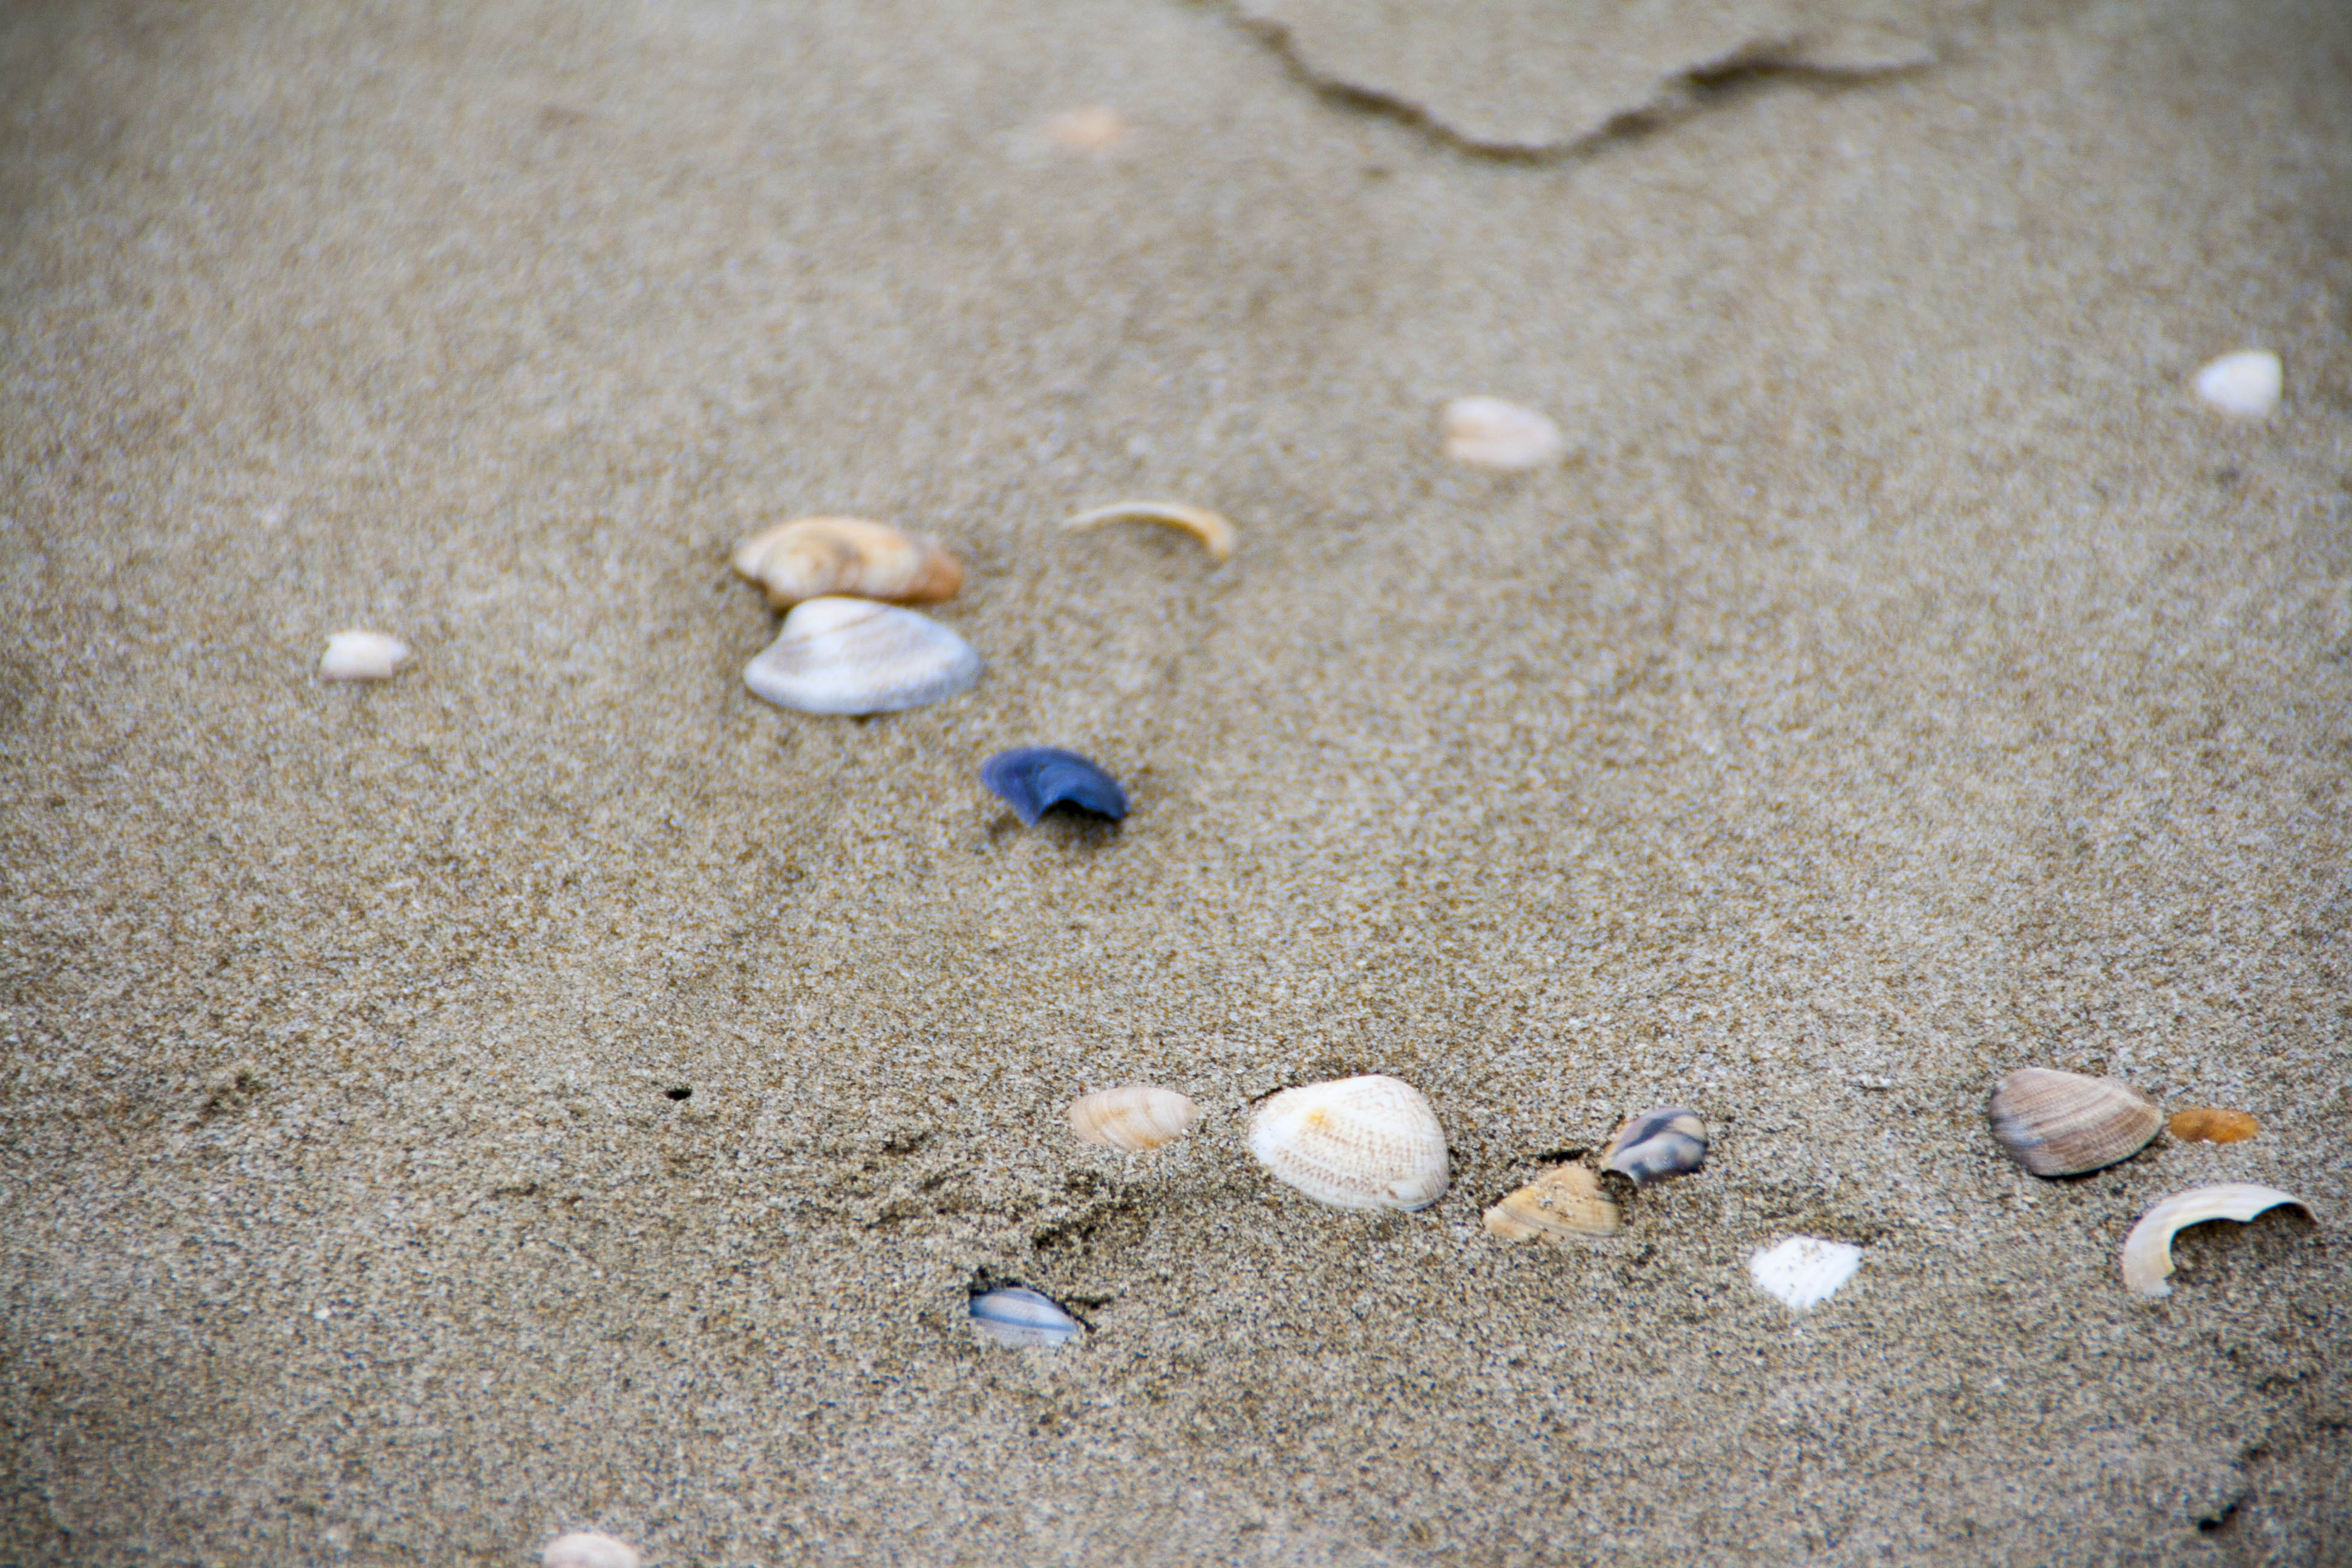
{"points": [[1134, 1117], [1804, 1271], [812, 557], [1369, 1143], [1209, 529], [1020, 1319], [1563, 1204], [1488, 433], [853, 655], [1094, 129], [1657, 1144], [587, 1549], [2246, 384], [2147, 1250], [361, 656], [2211, 1124], [2062, 1123], [1034, 779]]}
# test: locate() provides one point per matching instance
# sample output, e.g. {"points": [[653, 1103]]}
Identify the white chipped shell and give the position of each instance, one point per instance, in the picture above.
{"points": [[853, 655], [2147, 1250], [1804, 1271], [1488, 433], [1369, 1143], [588, 1548], [362, 655]]}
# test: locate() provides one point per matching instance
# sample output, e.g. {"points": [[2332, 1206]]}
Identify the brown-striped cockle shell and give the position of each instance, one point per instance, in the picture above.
{"points": [[2147, 1250], [811, 557], [2063, 1124], [1563, 1204], [1656, 1145], [853, 655], [1133, 1118], [1369, 1143]]}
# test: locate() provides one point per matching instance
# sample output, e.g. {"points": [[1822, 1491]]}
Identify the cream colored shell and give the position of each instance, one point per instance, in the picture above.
{"points": [[2147, 1250], [588, 1548], [1134, 1117], [2245, 384], [1563, 1204], [1212, 530], [1488, 433], [811, 557], [853, 655], [2063, 1124], [361, 656], [1369, 1143]]}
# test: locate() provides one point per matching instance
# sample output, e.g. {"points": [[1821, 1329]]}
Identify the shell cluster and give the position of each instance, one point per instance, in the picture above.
{"points": [[1133, 1119], [1369, 1143], [1657, 1145], [2147, 1250], [1561, 1206], [1017, 1318], [813, 557], [855, 656], [2063, 1124], [1033, 780], [1488, 433]]}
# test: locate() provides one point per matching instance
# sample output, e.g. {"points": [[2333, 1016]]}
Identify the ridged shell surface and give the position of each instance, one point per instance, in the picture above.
{"points": [[2147, 1250], [1803, 1272], [2063, 1124], [1369, 1143], [1021, 1318], [1488, 433], [813, 557], [1134, 1117], [1563, 1204], [1657, 1144], [853, 655]]}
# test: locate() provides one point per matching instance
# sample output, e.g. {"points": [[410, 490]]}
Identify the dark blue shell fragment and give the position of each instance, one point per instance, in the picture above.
{"points": [[1034, 779]]}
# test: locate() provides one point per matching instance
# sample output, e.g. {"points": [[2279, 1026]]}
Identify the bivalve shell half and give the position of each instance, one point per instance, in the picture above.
{"points": [[853, 655], [1488, 433], [1020, 1319], [2147, 1250], [1657, 1145], [589, 1549], [1369, 1143], [1134, 1117], [2211, 1124], [362, 655], [2062, 1123], [1033, 780], [812, 557], [1563, 1204]]}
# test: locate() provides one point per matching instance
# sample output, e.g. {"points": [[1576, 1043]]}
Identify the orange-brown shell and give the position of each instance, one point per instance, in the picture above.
{"points": [[2211, 1124], [812, 557]]}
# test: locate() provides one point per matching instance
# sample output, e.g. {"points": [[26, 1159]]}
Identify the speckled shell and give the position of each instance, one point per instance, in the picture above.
{"points": [[587, 1549], [2211, 1124], [1657, 1145], [1369, 1143], [1019, 1318], [1133, 1119], [1488, 433], [2062, 1123], [2147, 1250], [812, 557], [1563, 1204], [853, 655]]}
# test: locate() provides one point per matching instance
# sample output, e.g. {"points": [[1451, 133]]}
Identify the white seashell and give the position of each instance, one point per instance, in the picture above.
{"points": [[2246, 384], [1020, 1319], [1094, 129], [853, 655], [1369, 1143], [1133, 1119], [811, 557], [1657, 1145], [361, 656], [586, 1548], [2147, 1250], [1488, 433], [1211, 529], [1804, 1271], [1563, 1204]]}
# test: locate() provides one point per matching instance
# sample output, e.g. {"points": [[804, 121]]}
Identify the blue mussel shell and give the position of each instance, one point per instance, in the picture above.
{"points": [[1033, 779]]}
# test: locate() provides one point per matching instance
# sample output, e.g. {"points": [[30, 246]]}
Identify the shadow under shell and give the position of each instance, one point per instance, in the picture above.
{"points": [[1033, 780]]}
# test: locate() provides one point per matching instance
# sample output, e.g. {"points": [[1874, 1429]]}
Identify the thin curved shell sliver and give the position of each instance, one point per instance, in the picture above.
{"points": [[1212, 530]]}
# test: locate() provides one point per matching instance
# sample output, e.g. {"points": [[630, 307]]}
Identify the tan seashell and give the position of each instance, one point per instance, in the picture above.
{"points": [[811, 557], [589, 1549], [1133, 1119], [1563, 1204], [2211, 1124], [2062, 1123], [853, 655], [1369, 1143], [1488, 433], [1657, 1145], [1209, 529], [362, 655], [1094, 129], [2147, 1250]]}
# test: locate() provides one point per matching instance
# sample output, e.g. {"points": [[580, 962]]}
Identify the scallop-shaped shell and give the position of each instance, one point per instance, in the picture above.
{"points": [[1133, 1119], [2211, 1124], [1034, 779], [1369, 1143], [588, 1548], [1488, 433], [2062, 1123], [2246, 384], [1657, 1144], [812, 557], [361, 656], [1804, 1271], [1019, 1318], [1563, 1204], [2147, 1250], [853, 655]]}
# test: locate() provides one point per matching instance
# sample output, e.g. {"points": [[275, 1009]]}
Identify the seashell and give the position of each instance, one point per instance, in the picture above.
{"points": [[362, 655], [2246, 384], [1657, 1145], [1019, 1319], [1488, 433], [2211, 1124], [1206, 526], [2062, 1123], [1369, 1143], [1134, 1117], [1034, 779], [1804, 1271], [587, 1549], [1564, 1203], [1094, 129], [2147, 1250], [853, 655], [812, 557]]}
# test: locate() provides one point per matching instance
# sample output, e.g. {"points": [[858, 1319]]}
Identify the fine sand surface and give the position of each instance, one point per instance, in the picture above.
{"points": [[1902, 680]]}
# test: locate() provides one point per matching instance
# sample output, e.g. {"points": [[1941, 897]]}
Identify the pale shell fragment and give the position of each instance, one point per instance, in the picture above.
{"points": [[587, 1549], [362, 655], [1488, 433], [1657, 1145], [1212, 530], [1804, 1271], [2246, 384], [1563, 1204], [1369, 1143], [1020, 1319], [2063, 1124], [853, 655], [811, 557], [1093, 129], [2147, 1250], [1134, 1117]]}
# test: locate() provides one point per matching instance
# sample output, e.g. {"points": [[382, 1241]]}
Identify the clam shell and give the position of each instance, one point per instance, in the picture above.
{"points": [[1020, 1319], [587, 1549], [2211, 1124], [1133, 1119], [1211, 529], [853, 655], [2062, 1123], [1093, 129], [1034, 779], [1804, 1271], [2147, 1250], [362, 655], [1563, 1204], [2246, 384], [1369, 1143], [812, 557], [1657, 1145], [1488, 433]]}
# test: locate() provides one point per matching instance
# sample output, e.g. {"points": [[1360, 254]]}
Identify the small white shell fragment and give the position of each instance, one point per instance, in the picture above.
{"points": [[1093, 129], [2147, 1250], [2246, 384], [587, 1549], [853, 655], [1212, 530], [362, 655], [1019, 1318], [1369, 1143], [1488, 433], [1804, 1271], [1133, 1118]]}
